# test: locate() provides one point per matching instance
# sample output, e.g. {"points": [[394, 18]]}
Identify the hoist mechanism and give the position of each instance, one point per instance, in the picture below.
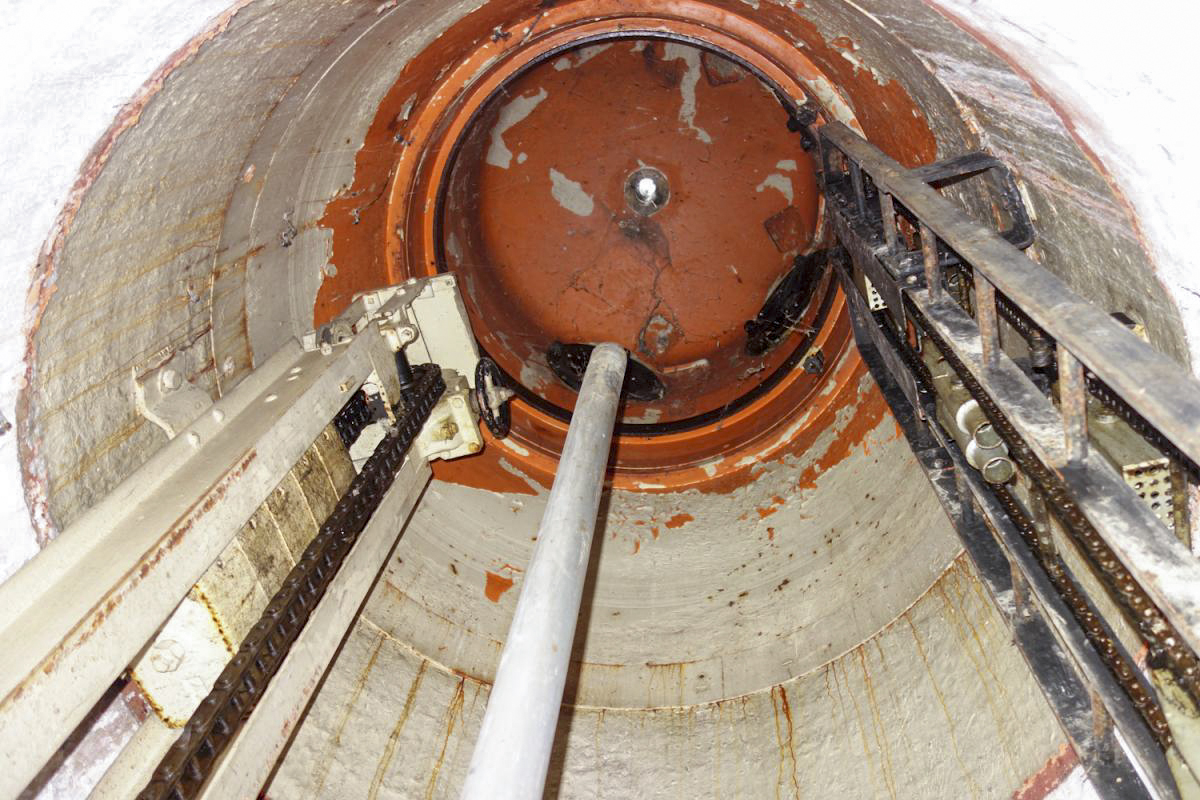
{"points": [[1059, 443]]}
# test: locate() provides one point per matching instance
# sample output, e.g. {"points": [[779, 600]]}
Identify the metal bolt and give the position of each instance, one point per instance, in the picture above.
{"points": [[170, 379], [193, 438], [646, 190]]}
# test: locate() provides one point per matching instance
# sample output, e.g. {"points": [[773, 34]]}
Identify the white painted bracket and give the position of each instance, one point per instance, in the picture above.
{"points": [[165, 397], [426, 316], [427, 319], [452, 430]]}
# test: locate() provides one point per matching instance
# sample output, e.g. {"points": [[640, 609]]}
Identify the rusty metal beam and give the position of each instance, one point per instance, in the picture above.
{"points": [[1067, 668]]}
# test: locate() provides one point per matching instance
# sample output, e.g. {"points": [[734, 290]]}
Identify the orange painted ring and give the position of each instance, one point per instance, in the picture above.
{"points": [[693, 457]]}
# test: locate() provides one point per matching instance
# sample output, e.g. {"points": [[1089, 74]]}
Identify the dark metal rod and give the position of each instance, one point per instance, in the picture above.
{"points": [[933, 269], [887, 210], [1072, 398], [856, 180], [985, 316]]}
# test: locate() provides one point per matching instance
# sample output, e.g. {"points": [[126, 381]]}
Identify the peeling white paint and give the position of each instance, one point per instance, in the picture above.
{"points": [[406, 109], [787, 164], [780, 183], [850, 55], [509, 444], [570, 194], [453, 248], [534, 376], [515, 110], [648, 417], [687, 86], [580, 56]]}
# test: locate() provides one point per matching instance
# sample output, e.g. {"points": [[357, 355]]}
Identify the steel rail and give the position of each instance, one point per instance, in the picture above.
{"points": [[1159, 391], [1151, 383], [81, 610]]}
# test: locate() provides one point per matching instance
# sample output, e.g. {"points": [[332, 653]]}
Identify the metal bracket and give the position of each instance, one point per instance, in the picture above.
{"points": [[452, 430], [165, 397], [424, 316], [426, 321]]}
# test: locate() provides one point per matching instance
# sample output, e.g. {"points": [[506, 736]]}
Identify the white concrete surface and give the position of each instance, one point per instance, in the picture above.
{"points": [[68, 69]]}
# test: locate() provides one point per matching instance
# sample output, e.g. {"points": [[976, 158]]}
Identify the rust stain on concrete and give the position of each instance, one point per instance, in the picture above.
{"points": [[496, 586], [1047, 779], [453, 715], [785, 732], [679, 520], [335, 741], [43, 285], [389, 750]]}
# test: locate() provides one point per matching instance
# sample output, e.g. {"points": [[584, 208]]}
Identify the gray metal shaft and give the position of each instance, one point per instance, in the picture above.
{"points": [[512, 753]]}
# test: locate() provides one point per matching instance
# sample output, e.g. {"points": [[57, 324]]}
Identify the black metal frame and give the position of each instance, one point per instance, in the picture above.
{"points": [[867, 193], [1075, 681]]}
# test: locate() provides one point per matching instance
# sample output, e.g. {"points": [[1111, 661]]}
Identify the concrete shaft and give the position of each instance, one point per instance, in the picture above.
{"points": [[783, 611]]}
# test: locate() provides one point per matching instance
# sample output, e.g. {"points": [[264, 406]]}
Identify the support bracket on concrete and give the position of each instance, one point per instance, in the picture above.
{"points": [[165, 396]]}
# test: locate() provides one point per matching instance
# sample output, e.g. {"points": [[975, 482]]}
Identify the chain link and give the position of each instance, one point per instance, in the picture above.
{"points": [[187, 765], [1116, 581], [354, 416]]}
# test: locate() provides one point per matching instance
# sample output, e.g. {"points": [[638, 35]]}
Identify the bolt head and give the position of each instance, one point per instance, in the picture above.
{"points": [[170, 379]]}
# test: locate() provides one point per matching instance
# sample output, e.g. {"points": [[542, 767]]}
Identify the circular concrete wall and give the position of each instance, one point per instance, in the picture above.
{"points": [[792, 616]]}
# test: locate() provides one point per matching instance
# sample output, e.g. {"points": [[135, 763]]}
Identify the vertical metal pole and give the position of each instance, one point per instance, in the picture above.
{"points": [[512, 753], [1072, 401], [860, 194], [887, 212], [933, 268], [985, 317]]}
